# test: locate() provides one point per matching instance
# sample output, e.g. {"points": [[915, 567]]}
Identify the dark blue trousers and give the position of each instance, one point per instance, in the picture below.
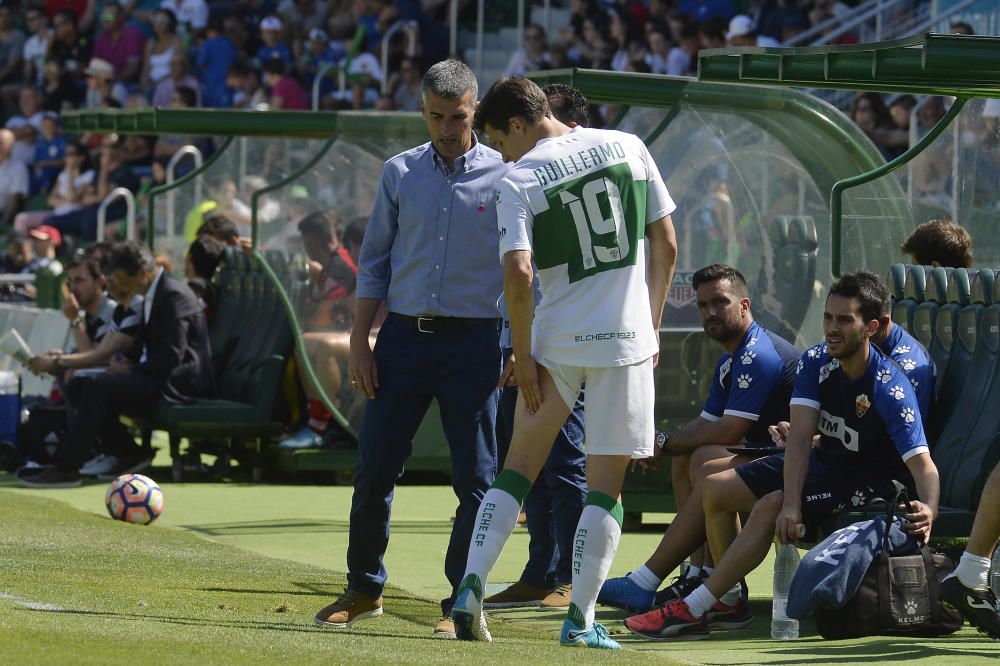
{"points": [[460, 369], [556, 499]]}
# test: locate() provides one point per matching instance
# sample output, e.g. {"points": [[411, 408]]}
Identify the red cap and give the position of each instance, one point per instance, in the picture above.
{"points": [[46, 232]]}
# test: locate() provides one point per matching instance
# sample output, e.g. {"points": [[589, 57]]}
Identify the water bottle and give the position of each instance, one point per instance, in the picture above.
{"points": [[786, 561], [995, 571]]}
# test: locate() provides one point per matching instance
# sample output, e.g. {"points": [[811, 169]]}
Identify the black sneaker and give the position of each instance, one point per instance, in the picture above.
{"points": [[979, 607], [31, 468], [52, 477], [680, 588]]}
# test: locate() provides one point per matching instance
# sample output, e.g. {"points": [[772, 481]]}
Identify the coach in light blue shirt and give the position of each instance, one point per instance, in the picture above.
{"points": [[430, 253]]}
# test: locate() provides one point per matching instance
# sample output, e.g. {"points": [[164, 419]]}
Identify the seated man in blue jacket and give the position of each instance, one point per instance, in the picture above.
{"points": [[175, 365], [868, 418]]}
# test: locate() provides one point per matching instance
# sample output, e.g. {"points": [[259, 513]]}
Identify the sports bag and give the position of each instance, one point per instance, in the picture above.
{"points": [[898, 596]]}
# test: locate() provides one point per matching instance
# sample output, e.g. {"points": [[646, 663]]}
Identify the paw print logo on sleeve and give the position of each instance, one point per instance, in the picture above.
{"points": [[901, 349], [743, 381], [908, 415], [897, 392], [858, 498], [884, 376], [907, 364], [798, 368], [748, 357]]}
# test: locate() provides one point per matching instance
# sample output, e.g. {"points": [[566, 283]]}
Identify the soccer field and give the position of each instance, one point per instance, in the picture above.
{"points": [[233, 573]]}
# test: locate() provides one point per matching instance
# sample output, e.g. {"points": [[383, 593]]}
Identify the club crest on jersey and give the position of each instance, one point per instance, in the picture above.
{"points": [[861, 405]]}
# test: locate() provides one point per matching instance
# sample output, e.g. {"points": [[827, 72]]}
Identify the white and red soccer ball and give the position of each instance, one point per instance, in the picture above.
{"points": [[134, 498]]}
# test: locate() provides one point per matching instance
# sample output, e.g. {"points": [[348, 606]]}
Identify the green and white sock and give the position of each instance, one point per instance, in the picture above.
{"points": [[494, 523], [594, 547]]}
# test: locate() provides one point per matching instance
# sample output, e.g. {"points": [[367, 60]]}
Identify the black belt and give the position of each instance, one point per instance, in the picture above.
{"points": [[442, 324]]}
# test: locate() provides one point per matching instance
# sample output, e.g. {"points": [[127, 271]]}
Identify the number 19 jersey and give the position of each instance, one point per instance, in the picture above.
{"points": [[580, 203]]}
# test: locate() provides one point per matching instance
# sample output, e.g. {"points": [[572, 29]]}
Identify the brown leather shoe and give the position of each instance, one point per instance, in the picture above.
{"points": [[518, 595], [559, 599], [348, 609], [445, 628]]}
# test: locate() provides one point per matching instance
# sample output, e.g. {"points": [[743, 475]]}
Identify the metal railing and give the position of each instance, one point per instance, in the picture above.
{"points": [[411, 49], [102, 212], [175, 159], [321, 74], [453, 23], [860, 20]]}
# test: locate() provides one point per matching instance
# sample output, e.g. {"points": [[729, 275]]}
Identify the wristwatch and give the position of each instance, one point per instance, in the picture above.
{"points": [[77, 320], [662, 440]]}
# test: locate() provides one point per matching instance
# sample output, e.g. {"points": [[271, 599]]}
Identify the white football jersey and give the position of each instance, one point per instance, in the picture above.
{"points": [[580, 203]]}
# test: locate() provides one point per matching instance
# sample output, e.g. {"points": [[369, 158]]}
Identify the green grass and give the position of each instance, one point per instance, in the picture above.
{"points": [[233, 573]]}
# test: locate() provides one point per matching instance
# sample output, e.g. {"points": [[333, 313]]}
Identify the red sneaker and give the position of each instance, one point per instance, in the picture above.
{"points": [[721, 616], [673, 621]]}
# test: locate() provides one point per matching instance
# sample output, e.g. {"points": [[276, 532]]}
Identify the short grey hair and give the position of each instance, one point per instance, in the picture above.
{"points": [[450, 79]]}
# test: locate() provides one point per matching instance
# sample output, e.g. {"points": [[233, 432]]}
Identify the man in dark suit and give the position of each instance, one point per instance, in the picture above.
{"points": [[175, 365]]}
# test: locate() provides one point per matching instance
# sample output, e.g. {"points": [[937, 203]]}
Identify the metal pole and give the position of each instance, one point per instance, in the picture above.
{"points": [[547, 17], [520, 24], [393, 29], [102, 212], [480, 10], [956, 147], [878, 22], [319, 78], [183, 152], [453, 22]]}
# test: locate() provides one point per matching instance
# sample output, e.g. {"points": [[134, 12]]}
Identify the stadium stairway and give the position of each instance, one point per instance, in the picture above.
{"points": [[955, 313]]}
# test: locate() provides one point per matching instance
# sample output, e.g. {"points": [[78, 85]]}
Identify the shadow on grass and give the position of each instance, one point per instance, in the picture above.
{"points": [[314, 526]]}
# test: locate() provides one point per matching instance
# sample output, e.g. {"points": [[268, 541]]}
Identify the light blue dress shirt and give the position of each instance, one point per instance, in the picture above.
{"points": [[431, 245]]}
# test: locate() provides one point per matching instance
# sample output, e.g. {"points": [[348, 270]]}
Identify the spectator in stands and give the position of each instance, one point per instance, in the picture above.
{"points": [[175, 366], [120, 44], [624, 36], [406, 93], [775, 15], [961, 28], [50, 149], [317, 55], [939, 243], [886, 443], [659, 46], [160, 50], [112, 173], [192, 15], [704, 10], [16, 257], [11, 48], [251, 13], [27, 126], [69, 48], [273, 47], [304, 15], [59, 92], [531, 56], [712, 34], [168, 144], [14, 181], [967, 589], [743, 32], [683, 58], [248, 93], [200, 262], [68, 192], [216, 55], [37, 45], [180, 77], [45, 240], [900, 110], [286, 92], [102, 85], [869, 112], [221, 201]]}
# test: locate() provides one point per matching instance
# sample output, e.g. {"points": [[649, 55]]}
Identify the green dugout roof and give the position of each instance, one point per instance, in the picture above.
{"points": [[931, 64]]}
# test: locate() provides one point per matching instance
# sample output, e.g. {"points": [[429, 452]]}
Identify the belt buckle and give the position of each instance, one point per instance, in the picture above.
{"points": [[420, 325]]}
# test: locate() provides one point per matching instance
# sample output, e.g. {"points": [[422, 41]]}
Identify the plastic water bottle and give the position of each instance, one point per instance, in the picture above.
{"points": [[786, 561], [995, 571]]}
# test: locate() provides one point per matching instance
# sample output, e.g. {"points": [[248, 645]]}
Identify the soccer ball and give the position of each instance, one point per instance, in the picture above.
{"points": [[134, 498]]}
